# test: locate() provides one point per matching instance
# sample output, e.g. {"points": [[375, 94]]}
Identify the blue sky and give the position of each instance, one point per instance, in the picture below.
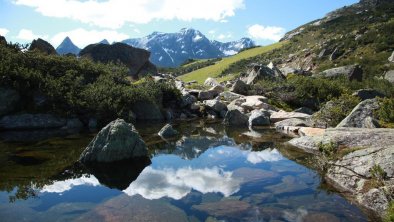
{"points": [[89, 21]]}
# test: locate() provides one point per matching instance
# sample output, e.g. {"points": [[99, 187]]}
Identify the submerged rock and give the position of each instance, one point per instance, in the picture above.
{"points": [[116, 141], [167, 132]]}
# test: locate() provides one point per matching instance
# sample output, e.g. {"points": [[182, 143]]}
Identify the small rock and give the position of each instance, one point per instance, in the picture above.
{"points": [[236, 118], [207, 95], [365, 94], [240, 87], [211, 82], [229, 96], [389, 76], [167, 132], [215, 106], [391, 58], [258, 118]]}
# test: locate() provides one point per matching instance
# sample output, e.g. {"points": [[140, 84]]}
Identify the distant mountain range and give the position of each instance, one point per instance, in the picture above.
{"points": [[172, 49]]}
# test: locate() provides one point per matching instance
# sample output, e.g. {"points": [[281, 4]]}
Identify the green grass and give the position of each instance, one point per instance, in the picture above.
{"points": [[201, 75]]}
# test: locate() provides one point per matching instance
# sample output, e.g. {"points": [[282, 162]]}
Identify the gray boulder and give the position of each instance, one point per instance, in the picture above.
{"points": [[282, 115], [217, 88], [229, 96], [9, 98], [359, 116], [365, 94], [305, 110], [259, 118], [277, 71], [211, 82], [291, 122], [240, 87], [207, 95], [389, 76], [236, 118], [391, 58], [187, 100], [167, 132], [215, 105], [116, 141], [257, 72], [31, 121], [352, 72]]}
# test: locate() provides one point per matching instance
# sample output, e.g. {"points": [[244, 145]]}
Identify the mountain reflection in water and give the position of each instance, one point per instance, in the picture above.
{"points": [[209, 173]]}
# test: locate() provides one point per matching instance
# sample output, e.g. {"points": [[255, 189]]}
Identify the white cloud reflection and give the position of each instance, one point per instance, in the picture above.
{"points": [[155, 184], [268, 155], [62, 186]]}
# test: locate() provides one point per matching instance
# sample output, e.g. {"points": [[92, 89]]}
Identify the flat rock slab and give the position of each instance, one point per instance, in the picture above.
{"points": [[282, 115]]}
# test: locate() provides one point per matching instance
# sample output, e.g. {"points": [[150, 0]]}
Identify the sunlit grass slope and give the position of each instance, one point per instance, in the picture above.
{"points": [[214, 71]]}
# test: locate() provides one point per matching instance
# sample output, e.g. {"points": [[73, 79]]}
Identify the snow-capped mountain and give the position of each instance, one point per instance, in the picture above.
{"points": [[172, 49], [67, 46]]}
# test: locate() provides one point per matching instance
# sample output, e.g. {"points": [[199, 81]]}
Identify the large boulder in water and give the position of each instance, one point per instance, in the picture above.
{"points": [[137, 60], [115, 142], [42, 46]]}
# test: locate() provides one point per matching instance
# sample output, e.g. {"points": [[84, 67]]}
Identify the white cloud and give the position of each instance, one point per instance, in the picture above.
{"points": [[26, 34], [4, 31], [82, 37], [137, 30], [272, 33], [267, 155], [212, 32], [114, 13], [158, 183], [62, 186], [225, 36]]}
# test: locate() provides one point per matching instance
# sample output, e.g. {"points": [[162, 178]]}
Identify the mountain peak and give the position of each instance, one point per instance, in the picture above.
{"points": [[67, 46], [104, 41]]}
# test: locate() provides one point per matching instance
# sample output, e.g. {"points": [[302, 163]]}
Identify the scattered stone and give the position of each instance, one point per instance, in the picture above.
{"points": [[207, 95], [236, 118], [282, 115], [258, 118], [352, 72], [365, 94], [357, 118], [389, 76], [258, 72], [211, 82], [305, 110], [31, 121], [167, 132], [229, 96], [391, 58], [116, 141], [240, 87]]}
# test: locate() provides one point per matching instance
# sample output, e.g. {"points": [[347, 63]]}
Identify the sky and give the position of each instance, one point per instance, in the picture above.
{"points": [[90, 21]]}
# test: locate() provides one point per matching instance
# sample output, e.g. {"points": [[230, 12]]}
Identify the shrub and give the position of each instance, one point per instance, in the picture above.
{"points": [[385, 113]]}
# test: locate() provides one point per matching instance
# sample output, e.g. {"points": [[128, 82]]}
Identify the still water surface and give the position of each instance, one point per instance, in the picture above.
{"points": [[208, 173]]}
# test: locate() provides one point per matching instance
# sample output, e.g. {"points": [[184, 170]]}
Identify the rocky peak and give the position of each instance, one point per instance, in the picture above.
{"points": [[67, 46], [42, 46]]}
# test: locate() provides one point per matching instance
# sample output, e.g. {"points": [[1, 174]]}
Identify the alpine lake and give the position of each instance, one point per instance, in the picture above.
{"points": [[208, 173]]}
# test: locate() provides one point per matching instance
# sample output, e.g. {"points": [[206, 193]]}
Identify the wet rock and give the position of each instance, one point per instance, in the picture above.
{"points": [[282, 115], [168, 132], [240, 87], [352, 72], [258, 118], [389, 76], [116, 141], [365, 94], [236, 118], [359, 115], [9, 98], [211, 82], [31, 121]]}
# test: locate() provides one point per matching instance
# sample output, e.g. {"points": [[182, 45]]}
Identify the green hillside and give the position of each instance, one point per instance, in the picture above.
{"points": [[216, 70]]}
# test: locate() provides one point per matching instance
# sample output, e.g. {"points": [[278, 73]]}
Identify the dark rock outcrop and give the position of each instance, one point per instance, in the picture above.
{"points": [[137, 60], [259, 118], [365, 94], [236, 118], [31, 121], [42, 46], [240, 87], [9, 98], [115, 142]]}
